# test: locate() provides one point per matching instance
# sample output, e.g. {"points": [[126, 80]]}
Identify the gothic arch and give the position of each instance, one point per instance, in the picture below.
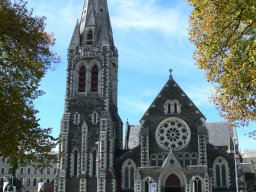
{"points": [[221, 172], [128, 171], [172, 106], [76, 79], [148, 183], [91, 65], [93, 162], [197, 184], [89, 37], [167, 172], [74, 169]]}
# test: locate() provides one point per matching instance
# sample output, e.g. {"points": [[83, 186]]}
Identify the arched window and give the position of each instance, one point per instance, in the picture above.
{"points": [[94, 78], [153, 160], [160, 160], [147, 186], [197, 184], [172, 106], [194, 159], [221, 171], [75, 162], [94, 161], [81, 80], [128, 171], [180, 158], [187, 159], [89, 39]]}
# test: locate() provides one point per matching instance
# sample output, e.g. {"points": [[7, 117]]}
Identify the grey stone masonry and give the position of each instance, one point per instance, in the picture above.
{"points": [[91, 129]]}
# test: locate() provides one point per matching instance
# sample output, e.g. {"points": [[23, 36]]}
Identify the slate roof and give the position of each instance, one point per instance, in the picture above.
{"points": [[219, 133]]}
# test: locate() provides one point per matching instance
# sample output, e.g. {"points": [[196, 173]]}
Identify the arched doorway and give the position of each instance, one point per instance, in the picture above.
{"points": [[172, 184]]}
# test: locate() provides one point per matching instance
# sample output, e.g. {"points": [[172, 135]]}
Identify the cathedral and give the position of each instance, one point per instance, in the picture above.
{"points": [[173, 149]]}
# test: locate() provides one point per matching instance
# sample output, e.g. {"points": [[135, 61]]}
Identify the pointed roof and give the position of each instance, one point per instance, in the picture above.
{"points": [[75, 37], [171, 161], [95, 16], [172, 88]]}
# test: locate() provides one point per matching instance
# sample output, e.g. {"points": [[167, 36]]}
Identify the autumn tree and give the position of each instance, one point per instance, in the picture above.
{"points": [[25, 57], [224, 33]]}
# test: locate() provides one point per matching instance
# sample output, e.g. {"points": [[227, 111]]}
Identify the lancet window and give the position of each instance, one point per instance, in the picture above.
{"points": [[94, 78]]}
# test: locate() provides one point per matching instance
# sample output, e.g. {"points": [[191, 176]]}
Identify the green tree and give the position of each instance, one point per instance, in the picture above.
{"points": [[25, 57], [224, 33]]}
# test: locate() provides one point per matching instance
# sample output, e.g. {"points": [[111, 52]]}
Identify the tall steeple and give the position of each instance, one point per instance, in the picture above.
{"points": [[95, 18], [91, 130]]}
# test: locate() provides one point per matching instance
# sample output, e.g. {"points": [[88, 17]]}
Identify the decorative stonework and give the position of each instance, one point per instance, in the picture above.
{"points": [[76, 118], [173, 134], [95, 117], [84, 152], [82, 185], [172, 106]]}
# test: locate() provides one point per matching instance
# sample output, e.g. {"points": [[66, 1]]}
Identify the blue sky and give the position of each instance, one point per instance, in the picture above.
{"points": [[151, 37]]}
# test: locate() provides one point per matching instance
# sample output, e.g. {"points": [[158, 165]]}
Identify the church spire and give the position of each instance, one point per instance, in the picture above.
{"points": [[94, 26]]}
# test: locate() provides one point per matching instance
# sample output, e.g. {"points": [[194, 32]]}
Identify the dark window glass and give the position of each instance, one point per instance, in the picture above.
{"points": [[175, 108], [75, 162], [94, 78], [169, 108], [81, 80], [146, 187], [132, 177], [218, 175], [199, 186], [126, 174], [94, 158], [223, 170]]}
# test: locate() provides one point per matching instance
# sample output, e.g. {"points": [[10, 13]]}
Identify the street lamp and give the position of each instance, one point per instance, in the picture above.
{"points": [[234, 151]]}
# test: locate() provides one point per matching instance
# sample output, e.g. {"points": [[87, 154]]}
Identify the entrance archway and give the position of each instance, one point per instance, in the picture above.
{"points": [[172, 184]]}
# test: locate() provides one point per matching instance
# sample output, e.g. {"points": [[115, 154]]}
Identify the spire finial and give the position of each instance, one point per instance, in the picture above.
{"points": [[170, 70]]}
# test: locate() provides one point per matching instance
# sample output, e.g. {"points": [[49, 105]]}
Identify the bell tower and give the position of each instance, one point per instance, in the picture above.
{"points": [[91, 130]]}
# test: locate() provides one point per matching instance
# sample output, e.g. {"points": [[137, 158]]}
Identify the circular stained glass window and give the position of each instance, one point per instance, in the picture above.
{"points": [[173, 134]]}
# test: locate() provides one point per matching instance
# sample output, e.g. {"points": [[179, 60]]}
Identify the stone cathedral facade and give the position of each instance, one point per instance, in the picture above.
{"points": [[170, 151]]}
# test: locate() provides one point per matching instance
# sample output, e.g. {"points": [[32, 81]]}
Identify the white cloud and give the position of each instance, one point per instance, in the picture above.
{"points": [[146, 15]]}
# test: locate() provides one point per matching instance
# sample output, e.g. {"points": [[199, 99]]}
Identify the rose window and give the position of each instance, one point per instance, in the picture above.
{"points": [[173, 134]]}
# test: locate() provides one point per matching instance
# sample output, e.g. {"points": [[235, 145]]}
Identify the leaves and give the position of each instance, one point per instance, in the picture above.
{"points": [[224, 33], [25, 57]]}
